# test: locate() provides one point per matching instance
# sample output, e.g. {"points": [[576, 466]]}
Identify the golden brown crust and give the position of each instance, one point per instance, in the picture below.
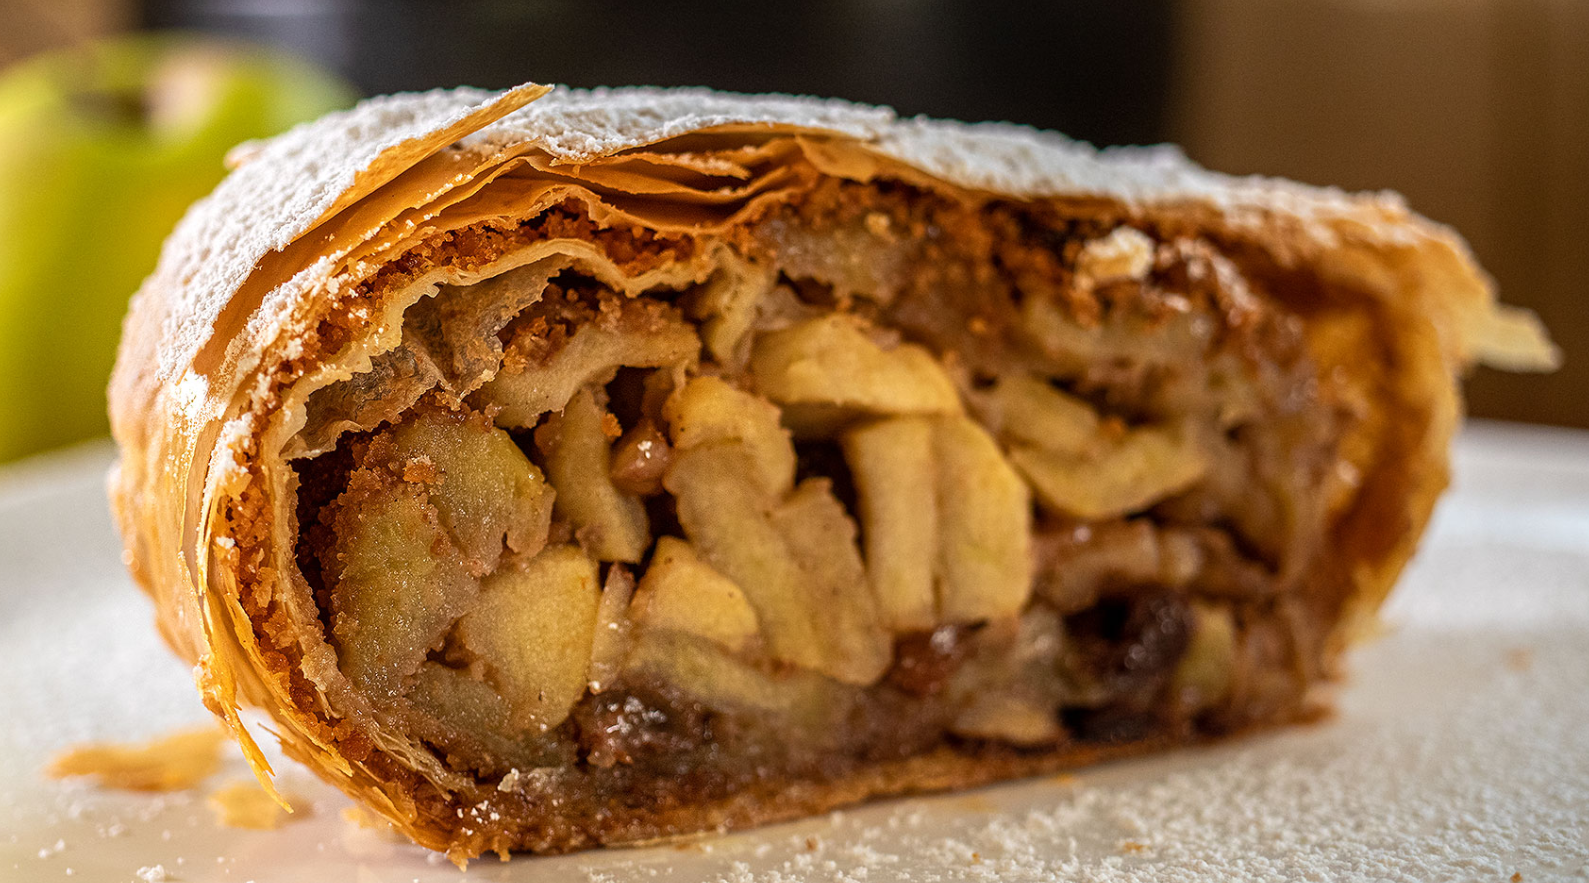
{"points": [[217, 365]]}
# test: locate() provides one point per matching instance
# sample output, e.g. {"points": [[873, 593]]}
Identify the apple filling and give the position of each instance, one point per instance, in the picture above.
{"points": [[979, 489]]}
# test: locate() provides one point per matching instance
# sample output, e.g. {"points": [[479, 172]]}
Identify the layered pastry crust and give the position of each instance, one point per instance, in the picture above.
{"points": [[626, 464]]}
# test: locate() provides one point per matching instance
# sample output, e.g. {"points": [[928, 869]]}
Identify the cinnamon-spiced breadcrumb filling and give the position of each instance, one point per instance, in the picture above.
{"points": [[909, 492]]}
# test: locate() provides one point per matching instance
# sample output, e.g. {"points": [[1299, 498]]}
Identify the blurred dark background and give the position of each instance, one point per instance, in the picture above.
{"points": [[1096, 70], [1477, 110]]}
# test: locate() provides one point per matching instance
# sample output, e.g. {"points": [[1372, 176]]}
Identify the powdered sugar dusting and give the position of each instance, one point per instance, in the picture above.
{"points": [[578, 125], [284, 185], [575, 125], [281, 187]]}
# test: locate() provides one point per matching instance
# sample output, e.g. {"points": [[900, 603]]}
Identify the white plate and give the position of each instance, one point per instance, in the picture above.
{"points": [[1461, 750]]}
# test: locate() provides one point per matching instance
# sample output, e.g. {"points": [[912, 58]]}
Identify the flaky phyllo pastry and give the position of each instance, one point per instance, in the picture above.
{"points": [[591, 467]]}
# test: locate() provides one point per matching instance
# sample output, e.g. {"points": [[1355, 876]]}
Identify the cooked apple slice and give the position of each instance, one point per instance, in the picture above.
{"points": [[797, 566], [682, 593], [399, 584], [438, 502], [820, 538], [533, 627], [475, 723], [1026, 410], [614, 629], [461, 701], [947, 521], [592, 355], [704, 670], [486, 493], [984, 524], [1204, 674], [826, 372], [1145, 466], [578, 457], [794, 556], [708, 410], [729, 303], [892, 464], [468, 705], [1079, 465], [729, 519], [1070, 348]]}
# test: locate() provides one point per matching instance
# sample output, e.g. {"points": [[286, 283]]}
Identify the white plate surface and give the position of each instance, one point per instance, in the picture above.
{"points": [[1461, 749]]}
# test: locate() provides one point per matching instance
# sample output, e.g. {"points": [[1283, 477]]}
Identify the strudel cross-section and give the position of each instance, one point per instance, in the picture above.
{"points": [[570, 468]]}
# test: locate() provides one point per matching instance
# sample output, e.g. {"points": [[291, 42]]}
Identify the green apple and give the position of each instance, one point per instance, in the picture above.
{"points": [[102, 148]]}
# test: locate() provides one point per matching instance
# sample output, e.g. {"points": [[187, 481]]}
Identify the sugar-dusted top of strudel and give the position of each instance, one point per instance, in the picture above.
{"points": [[282, 187]]}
